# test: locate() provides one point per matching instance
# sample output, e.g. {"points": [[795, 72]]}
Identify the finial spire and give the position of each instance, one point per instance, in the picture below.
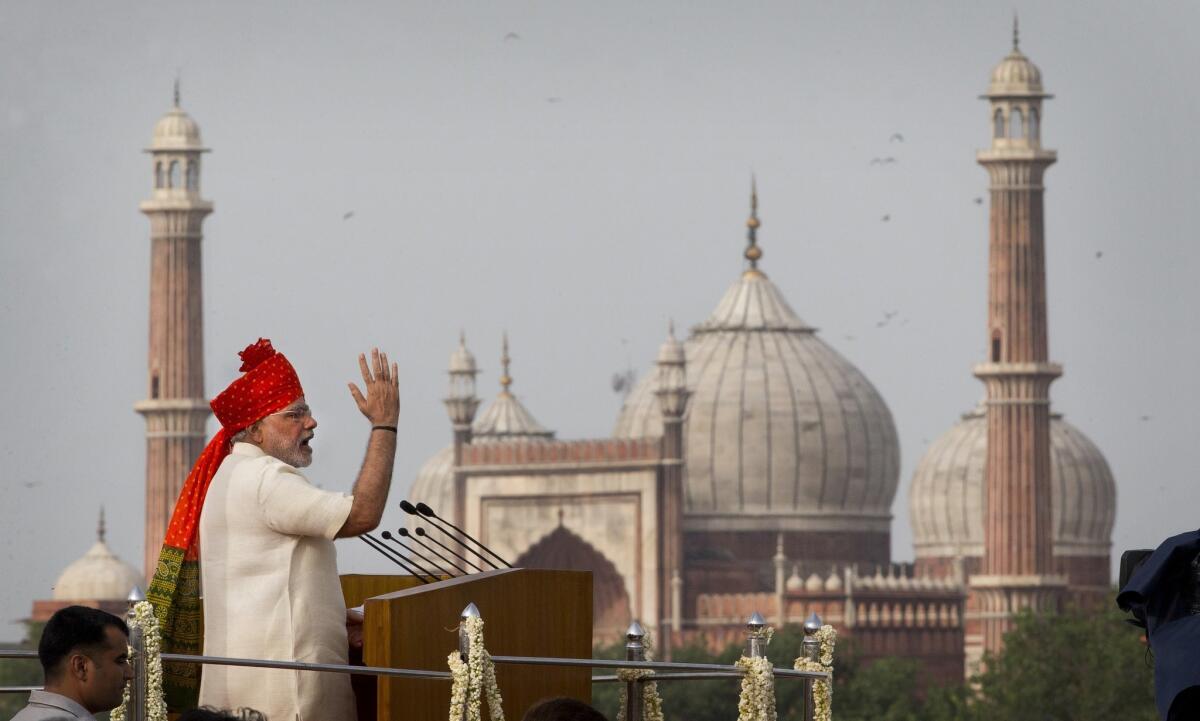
{"points": [[177, 90], [505, 378], [100, 528], [1016, 33], [753, 252], [671, 328]]}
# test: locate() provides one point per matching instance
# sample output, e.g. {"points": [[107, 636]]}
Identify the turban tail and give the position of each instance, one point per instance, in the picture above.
{"points": [[269, 385]]}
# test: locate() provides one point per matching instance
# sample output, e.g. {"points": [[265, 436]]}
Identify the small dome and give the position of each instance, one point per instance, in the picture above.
{"points": [[794, 582], [814, 583], [946, 500], [461, 360], [671, 352], [176, 131], [508, 418], [98, 575], [834, 582], [1016, 76]]}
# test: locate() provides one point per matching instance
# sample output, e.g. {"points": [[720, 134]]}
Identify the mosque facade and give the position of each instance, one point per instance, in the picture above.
{"points": [[756, 468]]}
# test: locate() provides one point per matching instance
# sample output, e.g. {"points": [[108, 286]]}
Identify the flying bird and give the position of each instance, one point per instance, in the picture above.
{"points": [[512, 36], [348, 215], [886, 218], [979, 201], [883, 161], [1099, 254], [896, 138], [1145, 418], [553, 100]]}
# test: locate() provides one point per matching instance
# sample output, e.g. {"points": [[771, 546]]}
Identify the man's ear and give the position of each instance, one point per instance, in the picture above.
{"points": [[77, 666], [254, 432]]}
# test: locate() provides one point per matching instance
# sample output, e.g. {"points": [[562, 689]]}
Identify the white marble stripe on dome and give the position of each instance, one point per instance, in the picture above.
{"points": [[975, 464], [791, 411], [834, 445], [860, 466], [821, 422], [1067, 475], [1093, 520]]}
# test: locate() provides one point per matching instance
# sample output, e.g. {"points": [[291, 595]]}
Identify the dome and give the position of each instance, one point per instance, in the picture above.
{"points": [[1016, 75], [176, 131], [946, 501], [462, 360], [98, 575], [781, 433]]}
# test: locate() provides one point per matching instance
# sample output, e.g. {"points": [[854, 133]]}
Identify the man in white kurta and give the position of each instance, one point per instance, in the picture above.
{"points": [[268, 568], [269, 576]]}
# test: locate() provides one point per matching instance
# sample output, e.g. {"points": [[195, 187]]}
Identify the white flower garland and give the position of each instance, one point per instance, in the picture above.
{"points": [[476, 674], [651, 701], [757, 700], [822, 688], [156, 705]]}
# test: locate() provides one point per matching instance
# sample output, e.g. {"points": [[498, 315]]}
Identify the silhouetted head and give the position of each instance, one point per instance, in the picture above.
{"points": [[420, 531], [404, 532], [408, 508], [425, 510], [562, 709]]}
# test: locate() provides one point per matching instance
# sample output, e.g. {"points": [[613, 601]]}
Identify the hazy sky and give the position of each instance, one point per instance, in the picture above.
{"points": [[577, 186]]}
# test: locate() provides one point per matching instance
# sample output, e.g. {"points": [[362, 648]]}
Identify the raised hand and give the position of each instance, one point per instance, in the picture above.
{"points": [[381, 404]]}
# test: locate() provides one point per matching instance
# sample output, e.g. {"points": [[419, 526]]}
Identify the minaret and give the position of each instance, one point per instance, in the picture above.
{"points": [[672, 396], [175, 407], [1018, 553], [461, 404]]}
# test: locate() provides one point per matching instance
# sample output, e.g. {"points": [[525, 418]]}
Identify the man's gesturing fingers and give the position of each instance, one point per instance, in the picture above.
{"points": [[379, 401], [366, 372]]}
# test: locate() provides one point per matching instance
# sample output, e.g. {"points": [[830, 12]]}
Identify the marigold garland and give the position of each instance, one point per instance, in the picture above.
{"points": [[156, 705], [822, 688], [477, 674]]}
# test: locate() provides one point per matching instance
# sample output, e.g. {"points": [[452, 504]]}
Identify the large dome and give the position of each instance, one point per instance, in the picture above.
{"points": [[781, 432], [946, 501], [98, 575]]}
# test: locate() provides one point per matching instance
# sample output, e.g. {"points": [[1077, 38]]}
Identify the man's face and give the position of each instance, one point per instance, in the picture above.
{"points": [[106, 670], [286, 434]]}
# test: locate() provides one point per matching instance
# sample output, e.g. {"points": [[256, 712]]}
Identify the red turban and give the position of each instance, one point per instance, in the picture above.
{"points": [[269, 385]]}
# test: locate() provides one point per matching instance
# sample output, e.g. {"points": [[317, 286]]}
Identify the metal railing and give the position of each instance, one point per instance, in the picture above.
{"points": [[635, 658]]}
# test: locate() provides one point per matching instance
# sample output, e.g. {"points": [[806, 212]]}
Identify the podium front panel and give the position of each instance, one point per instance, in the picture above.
{"points": [[526, 612]]}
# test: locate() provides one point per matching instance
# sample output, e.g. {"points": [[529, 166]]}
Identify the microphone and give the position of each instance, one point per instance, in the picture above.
{"points": [[433, 517], [405, 532], [388, 535], [381, 549], [421, 532]]}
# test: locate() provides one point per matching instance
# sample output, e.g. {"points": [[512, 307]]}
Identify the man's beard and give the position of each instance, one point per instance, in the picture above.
{"points": [[295, 456]]}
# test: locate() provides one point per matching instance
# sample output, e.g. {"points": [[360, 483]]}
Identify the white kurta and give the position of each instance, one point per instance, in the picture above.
{"points": [[268, 572]]}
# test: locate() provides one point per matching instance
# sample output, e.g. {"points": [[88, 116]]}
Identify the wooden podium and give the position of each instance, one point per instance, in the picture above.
{"points": [[526, 612]]}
